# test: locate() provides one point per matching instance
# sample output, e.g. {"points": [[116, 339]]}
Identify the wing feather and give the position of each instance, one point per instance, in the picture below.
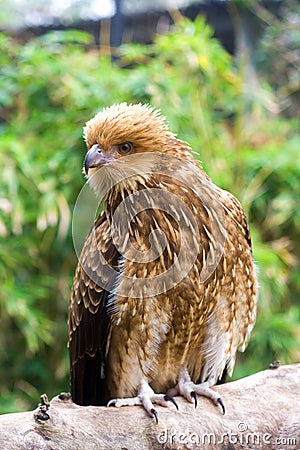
{"points": [[89, 319]]}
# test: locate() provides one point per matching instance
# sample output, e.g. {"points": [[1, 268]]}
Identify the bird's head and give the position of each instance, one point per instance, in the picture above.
{"points": [[124, 139]]}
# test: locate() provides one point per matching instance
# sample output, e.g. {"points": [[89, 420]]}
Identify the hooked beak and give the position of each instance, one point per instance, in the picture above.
{"points": [[95, 158]]}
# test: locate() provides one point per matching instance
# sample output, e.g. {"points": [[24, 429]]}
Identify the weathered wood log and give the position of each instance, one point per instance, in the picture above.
{"points": [[262, 412]]}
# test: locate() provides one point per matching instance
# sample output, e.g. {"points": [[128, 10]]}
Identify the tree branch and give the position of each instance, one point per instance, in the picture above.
{"points": [[262, 412]]}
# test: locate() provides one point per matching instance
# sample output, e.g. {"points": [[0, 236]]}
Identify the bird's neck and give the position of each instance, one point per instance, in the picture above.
{"points": [[125, 190]]}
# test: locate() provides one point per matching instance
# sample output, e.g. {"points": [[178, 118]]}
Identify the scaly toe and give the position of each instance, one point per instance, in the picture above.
{"points": [[118, 402], [147, 398], [190, 391]]}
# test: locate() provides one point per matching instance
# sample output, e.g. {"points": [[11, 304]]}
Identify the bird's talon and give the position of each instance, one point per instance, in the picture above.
{"points": [[168, 398], [112, 402], [155, 414], [195, 397], [220, 401]]}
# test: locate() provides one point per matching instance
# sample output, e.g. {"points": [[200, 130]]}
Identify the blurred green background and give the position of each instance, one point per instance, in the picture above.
{"points": [[245, 128]]}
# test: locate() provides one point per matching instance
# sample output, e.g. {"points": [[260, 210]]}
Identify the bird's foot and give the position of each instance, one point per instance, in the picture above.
{"points": [[190, 390], [147, 398]]}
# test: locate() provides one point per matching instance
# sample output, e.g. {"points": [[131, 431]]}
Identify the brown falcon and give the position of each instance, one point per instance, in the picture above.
{"points": [[165, 289]]}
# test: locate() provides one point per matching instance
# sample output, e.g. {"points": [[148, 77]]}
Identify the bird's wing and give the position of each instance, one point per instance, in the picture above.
{"points": [[88, 315]]}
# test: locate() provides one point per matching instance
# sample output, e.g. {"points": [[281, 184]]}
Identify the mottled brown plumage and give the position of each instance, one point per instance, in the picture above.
{"points": [[132, 337]]}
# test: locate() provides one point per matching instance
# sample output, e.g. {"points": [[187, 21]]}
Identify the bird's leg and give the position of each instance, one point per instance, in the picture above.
{"points": [[190, 390], [145, 397]]}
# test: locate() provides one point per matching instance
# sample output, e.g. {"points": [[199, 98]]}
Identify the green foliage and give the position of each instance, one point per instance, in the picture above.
{"points": [[278, 54], [50, 87]]}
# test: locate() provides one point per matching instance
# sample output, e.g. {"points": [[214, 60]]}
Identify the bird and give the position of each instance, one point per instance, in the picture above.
{"points": [[165, 290]]}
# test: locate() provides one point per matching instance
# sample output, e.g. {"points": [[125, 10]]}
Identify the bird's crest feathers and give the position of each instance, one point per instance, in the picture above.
{"points": [[134, 122]]}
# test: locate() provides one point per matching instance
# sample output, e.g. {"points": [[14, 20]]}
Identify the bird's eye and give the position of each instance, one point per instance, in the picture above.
{"points": [[125, 148]]}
